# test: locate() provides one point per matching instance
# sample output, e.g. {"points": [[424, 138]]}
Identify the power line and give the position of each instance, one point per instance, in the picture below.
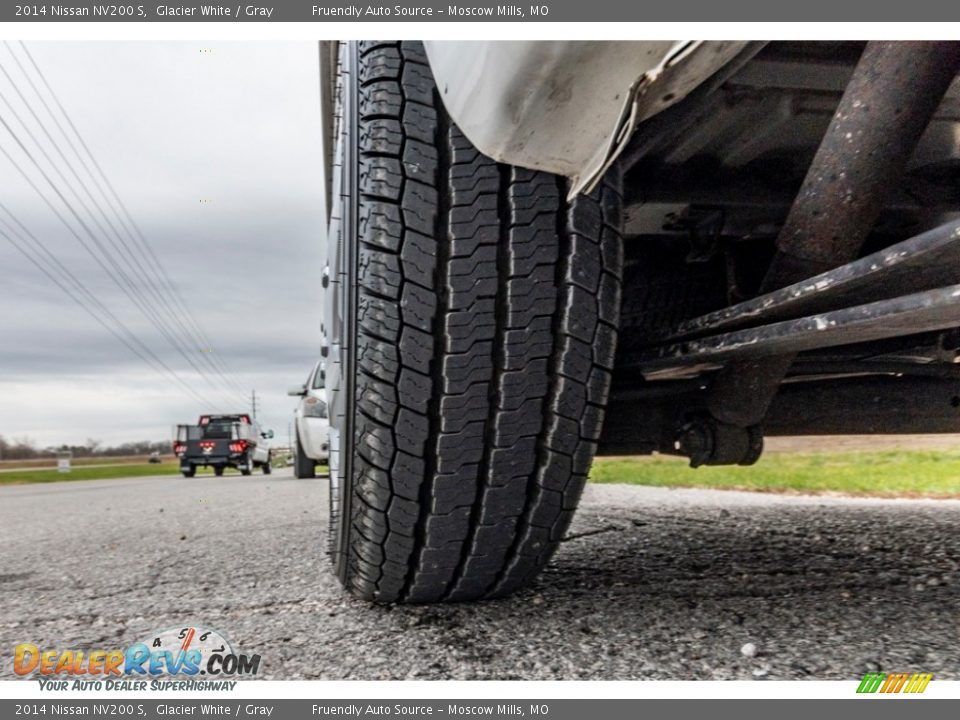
{"points": [[126, 284], [123, 247], [146, 355], [216, 360]]}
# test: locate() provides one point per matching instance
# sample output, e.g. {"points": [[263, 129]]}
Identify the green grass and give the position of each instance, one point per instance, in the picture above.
{"points": [[85, 473], [46, 463], [111, 473], [906, 473], [902, 473]]}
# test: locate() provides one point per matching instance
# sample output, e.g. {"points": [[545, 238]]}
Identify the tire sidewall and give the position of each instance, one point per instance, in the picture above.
{"points": [[340, 298]]}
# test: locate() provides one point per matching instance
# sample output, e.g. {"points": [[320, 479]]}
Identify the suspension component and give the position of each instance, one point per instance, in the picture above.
{"points": [[895, 89]]}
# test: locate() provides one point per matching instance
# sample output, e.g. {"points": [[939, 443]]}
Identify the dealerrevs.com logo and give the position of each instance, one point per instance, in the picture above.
{"points": [[184, 653]]}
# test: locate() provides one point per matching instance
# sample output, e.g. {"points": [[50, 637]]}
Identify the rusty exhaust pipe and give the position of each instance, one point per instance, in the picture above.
{"points": [[894, 92]]}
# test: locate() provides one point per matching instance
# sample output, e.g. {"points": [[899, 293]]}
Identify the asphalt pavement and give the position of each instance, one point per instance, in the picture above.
{"points": [[650, 583]]}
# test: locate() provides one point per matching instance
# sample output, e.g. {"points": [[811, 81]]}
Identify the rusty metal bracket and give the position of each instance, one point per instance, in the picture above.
{"points": [[925, 311], [927, 261]]}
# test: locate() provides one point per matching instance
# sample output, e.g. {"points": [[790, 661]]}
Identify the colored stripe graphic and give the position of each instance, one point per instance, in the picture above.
{"points": [[894, 683], [870, 683], [918, 683]]}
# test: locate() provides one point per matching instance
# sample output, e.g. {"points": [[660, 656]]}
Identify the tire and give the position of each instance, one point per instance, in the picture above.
{"points": [[267, 467], [472, 340], [303, 467], [218, 470], [247, 467], [191, 472]]}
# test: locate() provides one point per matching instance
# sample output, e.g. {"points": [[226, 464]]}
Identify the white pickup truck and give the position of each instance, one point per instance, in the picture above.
{"points": [[222, 441]]}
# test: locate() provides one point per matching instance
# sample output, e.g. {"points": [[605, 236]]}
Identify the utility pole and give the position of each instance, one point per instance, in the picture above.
{"points": [[253, 403]]}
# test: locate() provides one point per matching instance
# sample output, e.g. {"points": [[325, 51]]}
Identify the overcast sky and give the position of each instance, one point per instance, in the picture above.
{"points": [[235, 125]]}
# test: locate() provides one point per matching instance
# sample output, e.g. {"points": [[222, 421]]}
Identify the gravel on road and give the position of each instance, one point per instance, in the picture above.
{"points": [[650, 583]]}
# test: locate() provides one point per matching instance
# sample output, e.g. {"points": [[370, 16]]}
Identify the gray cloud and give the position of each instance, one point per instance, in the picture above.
{"points": [[236, 128]]}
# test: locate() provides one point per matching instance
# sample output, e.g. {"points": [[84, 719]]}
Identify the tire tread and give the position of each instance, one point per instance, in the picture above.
{"points": [[487, 315]]}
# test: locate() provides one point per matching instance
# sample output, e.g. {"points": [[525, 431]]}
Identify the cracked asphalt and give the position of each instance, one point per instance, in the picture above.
{"points": [[651, 583]]}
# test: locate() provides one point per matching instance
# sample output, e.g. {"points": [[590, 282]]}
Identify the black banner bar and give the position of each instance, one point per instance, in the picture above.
{"points": [[523, 11], [874, 708]]}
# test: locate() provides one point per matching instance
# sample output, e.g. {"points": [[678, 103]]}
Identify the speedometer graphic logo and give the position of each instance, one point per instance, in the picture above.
{"points": [[195, 650]]}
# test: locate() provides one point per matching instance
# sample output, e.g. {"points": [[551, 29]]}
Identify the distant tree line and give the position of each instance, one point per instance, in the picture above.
{"points": [[26, 449]]}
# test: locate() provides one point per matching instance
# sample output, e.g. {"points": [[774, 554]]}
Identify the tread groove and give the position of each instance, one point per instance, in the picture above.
{"points": [[493, 390], [499, 585], [442, 234]]}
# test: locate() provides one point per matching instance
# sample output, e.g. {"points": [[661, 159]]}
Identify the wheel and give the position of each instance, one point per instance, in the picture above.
{"points": [[190, 472], [267, 467], [303, 467], [247, 467], [218, 470], [471, 328]]}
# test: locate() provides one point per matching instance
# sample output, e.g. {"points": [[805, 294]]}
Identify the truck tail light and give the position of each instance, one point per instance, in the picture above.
{"points": [[238, 447], [179, 448]]}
